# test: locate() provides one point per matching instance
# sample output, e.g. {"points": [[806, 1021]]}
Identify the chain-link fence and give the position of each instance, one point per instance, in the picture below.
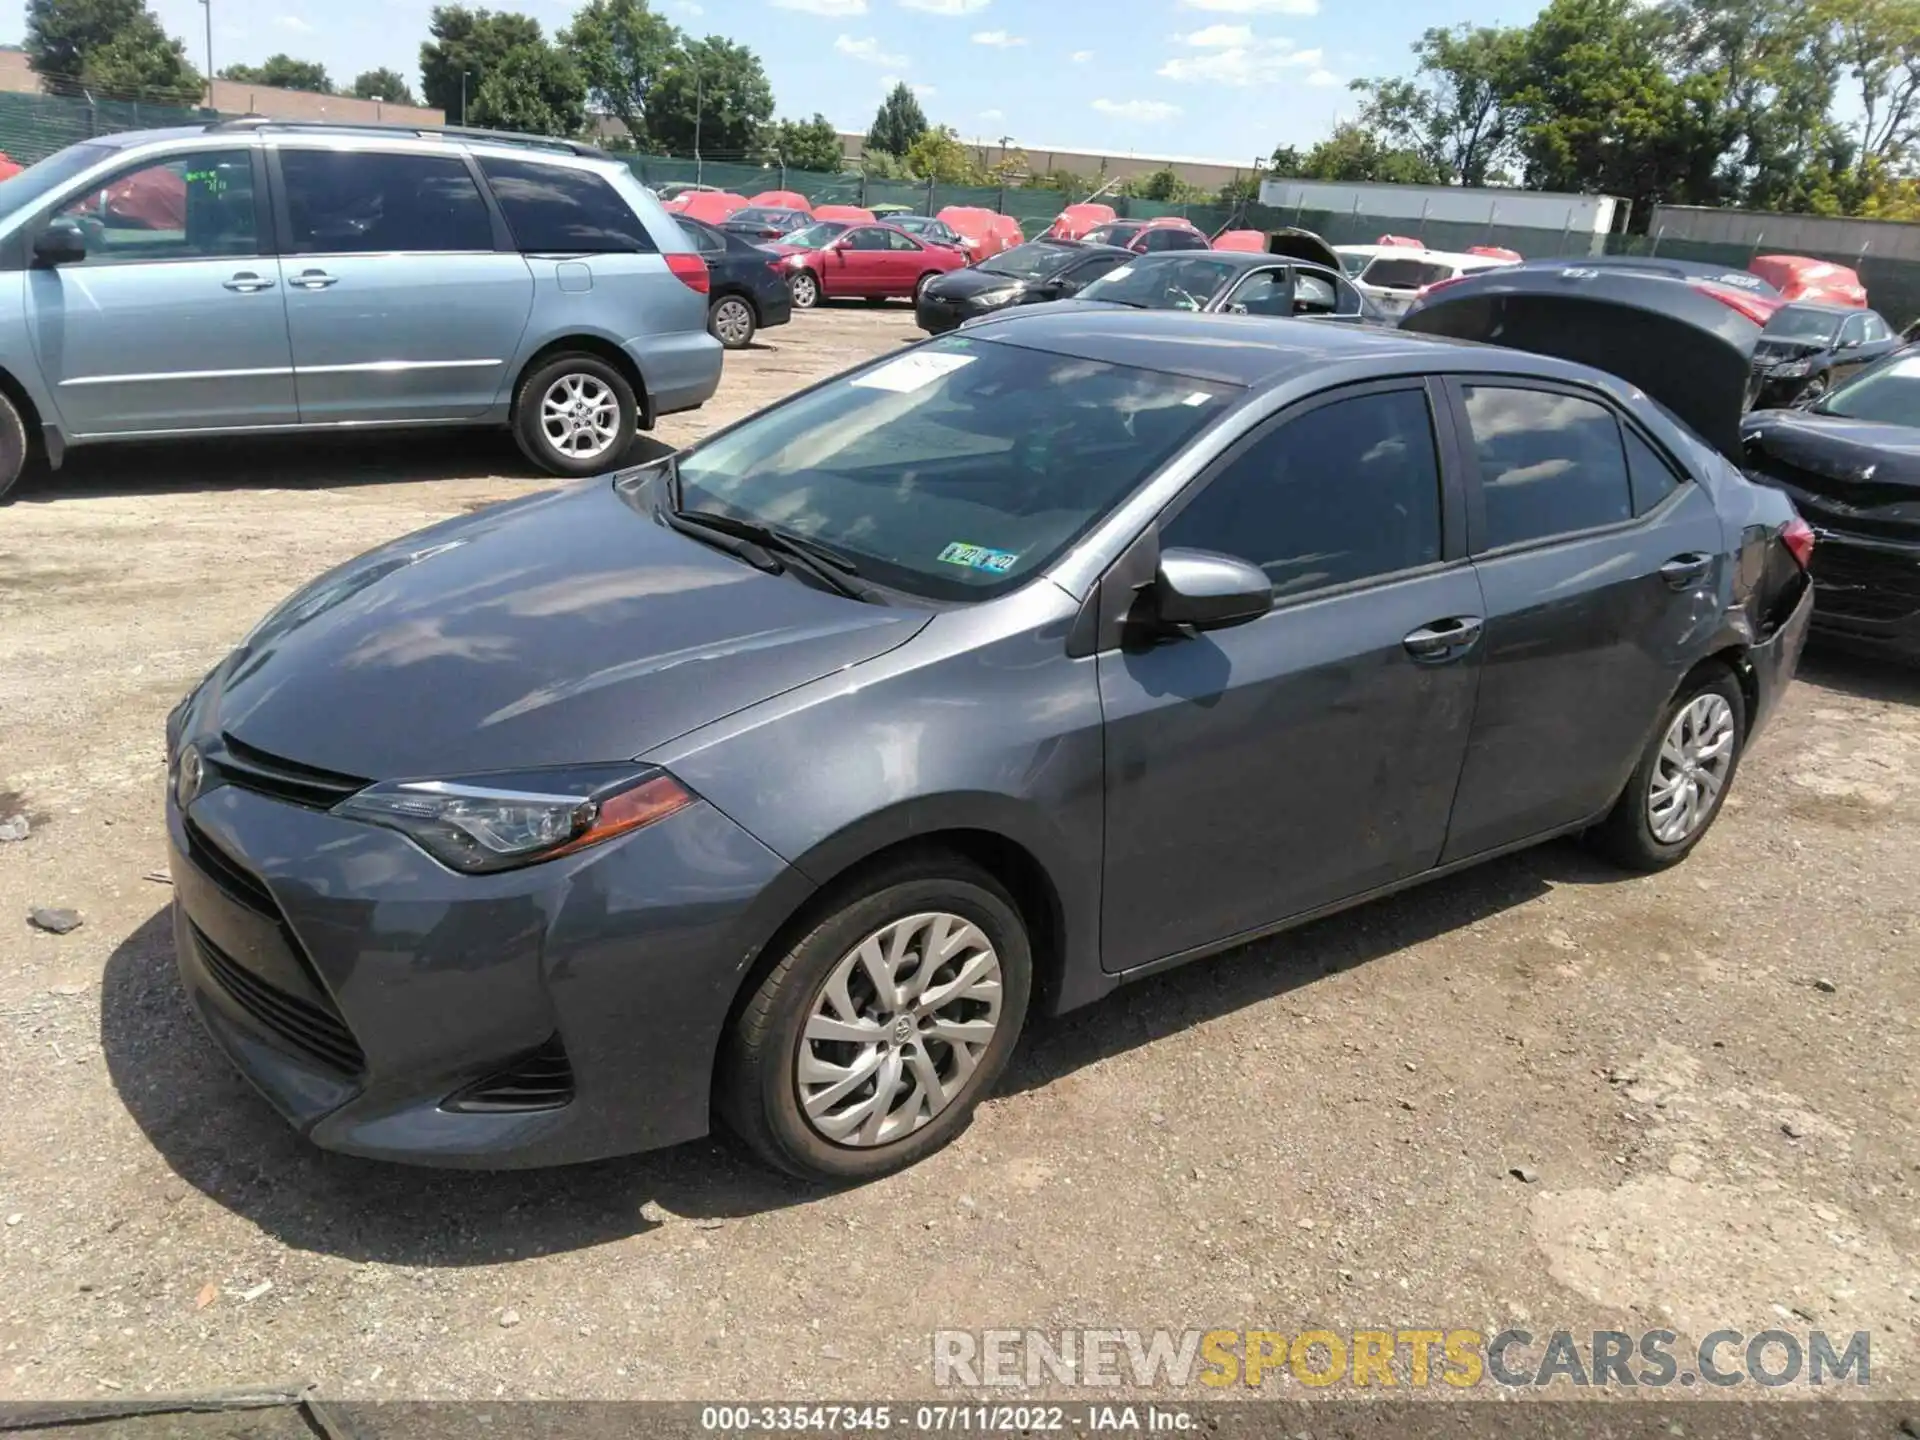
{"points": [[32, 126]]}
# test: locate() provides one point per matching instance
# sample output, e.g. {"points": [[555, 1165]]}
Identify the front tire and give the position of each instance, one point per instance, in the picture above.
{"points": [[870, 1043], [805, 289], [732, 323], [1677, 789], [13, 448], [575, 415]]}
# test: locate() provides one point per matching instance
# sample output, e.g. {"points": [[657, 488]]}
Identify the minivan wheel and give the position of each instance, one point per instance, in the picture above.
{"points": [[13, 448], [575, 415], [1681, 781], [805, 290], [867, 1047], [732, 322]]}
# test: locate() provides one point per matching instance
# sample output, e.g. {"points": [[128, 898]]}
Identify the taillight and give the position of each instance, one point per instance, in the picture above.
{"points": [[1757, 308], [690, 271], [1797, 536]]}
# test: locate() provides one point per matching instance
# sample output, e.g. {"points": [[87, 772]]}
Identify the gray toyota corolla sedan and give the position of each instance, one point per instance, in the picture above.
{"points": [[784, 779]]}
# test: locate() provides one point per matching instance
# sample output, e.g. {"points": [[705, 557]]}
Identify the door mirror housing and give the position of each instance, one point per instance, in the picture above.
{"points": [[1202, 590], [61, 243], [1848, 342]]}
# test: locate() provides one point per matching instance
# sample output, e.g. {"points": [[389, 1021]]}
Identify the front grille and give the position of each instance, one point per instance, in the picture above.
{"points": [[306, 1026], [236, 882], [1861, 585], [248, 768], [542, 1080]]}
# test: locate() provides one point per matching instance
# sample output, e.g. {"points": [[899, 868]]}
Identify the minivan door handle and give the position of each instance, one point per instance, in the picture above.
{"points": [[1447, 639], [1683, 572], [314, 280], [246, 282]]}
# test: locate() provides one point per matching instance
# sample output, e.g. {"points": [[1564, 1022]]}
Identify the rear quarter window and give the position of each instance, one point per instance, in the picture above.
{"points": [[555, 208]]}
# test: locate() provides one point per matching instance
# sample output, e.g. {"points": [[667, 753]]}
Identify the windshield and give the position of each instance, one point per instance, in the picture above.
{"points": [[1112, 234], [1798, 323], [1406, 274], [957, 470], [817, 235], [1888, 394], [1029, 262], [1165, 282], [31, 185]]}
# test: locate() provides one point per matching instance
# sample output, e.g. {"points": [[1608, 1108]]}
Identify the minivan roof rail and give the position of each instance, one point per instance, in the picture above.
{"points": [[455, 132]]}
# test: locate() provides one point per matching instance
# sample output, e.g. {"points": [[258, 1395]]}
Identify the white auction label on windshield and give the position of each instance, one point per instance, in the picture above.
{"points": [[913, 372]]}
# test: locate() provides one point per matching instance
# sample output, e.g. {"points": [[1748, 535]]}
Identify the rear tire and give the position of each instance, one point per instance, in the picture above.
{"points": [[1676, 791], [13, 450], [575, 415], [779, 1086], [732, 322]]}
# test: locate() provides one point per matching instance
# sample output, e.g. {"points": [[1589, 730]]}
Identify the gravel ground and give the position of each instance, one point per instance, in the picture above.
{"points": [[1708, 1074]]}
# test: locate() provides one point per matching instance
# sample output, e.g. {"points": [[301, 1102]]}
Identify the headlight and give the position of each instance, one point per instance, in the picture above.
{"points": [[797, 262], [1792, 369], [1003, 295], [499, 825]]}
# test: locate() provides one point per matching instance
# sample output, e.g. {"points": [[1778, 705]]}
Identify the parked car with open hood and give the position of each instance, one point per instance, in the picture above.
{"points": [[1232, 282], [272, 277], [979, 237], [1819, 282], [746, 287], [925, 227], [1808, 349], [783, 778], [1851, 463], [861, 262], [1025, 275]]}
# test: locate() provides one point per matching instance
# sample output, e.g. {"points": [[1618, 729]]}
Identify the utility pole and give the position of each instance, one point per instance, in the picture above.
{"points": [[699, 170], [208, 6], [464, 76]]}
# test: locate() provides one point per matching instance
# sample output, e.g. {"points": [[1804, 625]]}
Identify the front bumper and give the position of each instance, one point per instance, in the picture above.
{"points": [[1776, 392], [1867, 593], [362, 988], [681, 371]]}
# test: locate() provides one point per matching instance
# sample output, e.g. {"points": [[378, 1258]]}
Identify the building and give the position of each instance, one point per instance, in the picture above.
{"points": [[1112, 164]]}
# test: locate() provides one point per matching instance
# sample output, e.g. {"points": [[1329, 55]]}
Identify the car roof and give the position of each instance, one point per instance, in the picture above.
{"points": [[242, 126], [1823, 306]]}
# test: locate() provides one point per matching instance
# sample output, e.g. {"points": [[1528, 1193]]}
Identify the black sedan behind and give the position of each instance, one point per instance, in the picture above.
{"points": [[1024, 275], [1806, 350], [1235, 282], [746, 290], [761, 223]]}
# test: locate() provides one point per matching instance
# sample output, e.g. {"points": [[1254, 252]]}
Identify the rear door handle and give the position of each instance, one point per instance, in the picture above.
{"points": [[1444, 639], [1683, 572], [246, 282], [314, 280]]}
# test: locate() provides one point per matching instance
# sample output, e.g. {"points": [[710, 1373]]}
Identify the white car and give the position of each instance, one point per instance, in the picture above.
{"points": [[1394, 275]]}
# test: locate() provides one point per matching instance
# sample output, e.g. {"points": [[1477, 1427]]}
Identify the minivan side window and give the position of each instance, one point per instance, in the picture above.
{"points": [[185, 207], [369, 202], [554, 208], [1348, 491], [1550, 464]]}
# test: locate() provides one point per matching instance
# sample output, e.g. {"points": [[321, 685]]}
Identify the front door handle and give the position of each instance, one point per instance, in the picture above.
{"points": [[1683, 572], [314, 280], [1447, 639], [246, 282]]}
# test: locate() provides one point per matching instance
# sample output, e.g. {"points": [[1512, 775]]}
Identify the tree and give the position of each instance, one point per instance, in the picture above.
{"points": [[383, 84], [1354, 152], [469, 42], [283, 72], [621, 49], [1878, 43], [898, 123], [714, 92], [1241, 190], [808, 145], [1287, 161], [1458, 110], [939, 156], [534, 89], [117, 46]]}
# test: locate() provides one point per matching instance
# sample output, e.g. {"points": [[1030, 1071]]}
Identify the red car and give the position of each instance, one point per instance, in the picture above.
{"points": [[832, 260]]}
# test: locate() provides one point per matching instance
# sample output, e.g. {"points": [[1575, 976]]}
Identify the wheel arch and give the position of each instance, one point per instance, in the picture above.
{"points": [[31, 420], [734, 290], [600, 347]]}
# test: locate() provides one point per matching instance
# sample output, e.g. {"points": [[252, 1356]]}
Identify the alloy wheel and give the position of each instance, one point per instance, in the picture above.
{"points": [[806, 290], [1695, 759], [580, 416], [898, 1028], [733, 322]]}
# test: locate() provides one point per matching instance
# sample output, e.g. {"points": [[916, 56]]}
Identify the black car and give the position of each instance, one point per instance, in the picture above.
{"points": [[1025, 275], [761, 223], [925, 227], [1144, 237], [1851, 462], [1808, 349], [1234, 282], [747, 290]]}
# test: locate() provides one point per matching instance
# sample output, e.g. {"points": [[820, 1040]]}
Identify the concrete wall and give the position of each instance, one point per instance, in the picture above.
{"points": [[1209, 174], [1765, 232]]}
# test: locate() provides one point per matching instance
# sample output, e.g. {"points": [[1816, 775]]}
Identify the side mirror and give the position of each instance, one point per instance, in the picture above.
{"points": [[61, 243], [1205, 591], [1848, 342]]}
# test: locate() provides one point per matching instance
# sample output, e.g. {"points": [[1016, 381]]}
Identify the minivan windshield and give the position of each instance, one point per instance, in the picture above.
{"points": [[1888, 393], [1029, 262], [816, 236], [957, 470], [33, 184]]}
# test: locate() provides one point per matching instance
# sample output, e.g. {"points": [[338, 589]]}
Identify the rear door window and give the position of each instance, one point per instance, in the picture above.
{"points": [[901, 242], [1550, 463], [707, 242], [361, 202], [557, 209]]}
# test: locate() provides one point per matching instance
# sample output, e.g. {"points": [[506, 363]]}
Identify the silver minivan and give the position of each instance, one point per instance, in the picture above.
{"points": [[251, 276]]}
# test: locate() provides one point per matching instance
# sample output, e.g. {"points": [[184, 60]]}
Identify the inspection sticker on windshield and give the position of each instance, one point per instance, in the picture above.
{"points": [[913, 372], [979, 557]]}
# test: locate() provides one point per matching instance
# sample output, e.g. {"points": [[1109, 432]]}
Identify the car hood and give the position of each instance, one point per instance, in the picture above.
{"points": [[1835, 448], [1772, 348], [1667, 335], [568, 628], [965, 284], [1299, 244]]}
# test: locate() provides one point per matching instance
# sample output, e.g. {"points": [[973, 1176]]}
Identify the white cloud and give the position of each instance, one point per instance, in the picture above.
{"points": [[946, 7], [994, 115], [1256, 7], [1081, 57], [1146, 112], [1323, 77], [1261, 62], [868, 50], [690, 7], [1217, 35], [293, 23], [887, 82], [999, 39], [824, 7]]}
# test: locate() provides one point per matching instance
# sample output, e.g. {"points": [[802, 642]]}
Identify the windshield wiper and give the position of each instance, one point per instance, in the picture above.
{"points": [[823, 562]]}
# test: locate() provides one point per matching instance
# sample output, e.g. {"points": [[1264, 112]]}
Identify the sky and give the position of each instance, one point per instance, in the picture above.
{"points": [[1209, 79]]}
